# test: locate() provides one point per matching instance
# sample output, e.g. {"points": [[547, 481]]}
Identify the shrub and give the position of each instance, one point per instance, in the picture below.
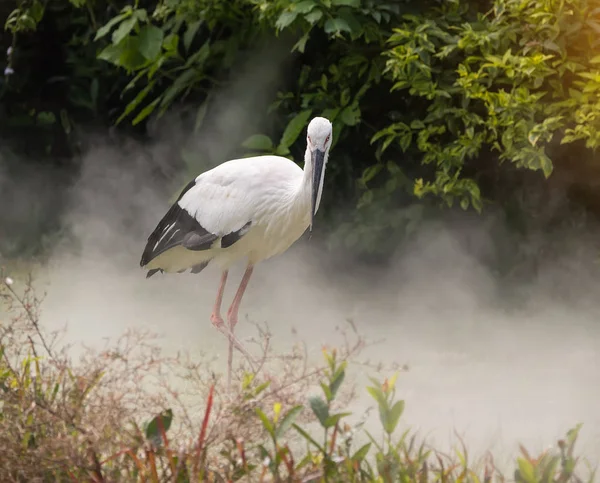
{"points": [[66, 421]]}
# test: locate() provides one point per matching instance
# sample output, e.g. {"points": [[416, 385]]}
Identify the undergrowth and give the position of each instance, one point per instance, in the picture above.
{"points": [[127, 413]]}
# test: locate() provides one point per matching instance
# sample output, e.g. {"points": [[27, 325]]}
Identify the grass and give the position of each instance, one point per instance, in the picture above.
{"points": [[116, 415]]}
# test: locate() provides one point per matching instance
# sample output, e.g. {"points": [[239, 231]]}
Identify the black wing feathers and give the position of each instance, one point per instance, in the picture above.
{"points": [[178, 227]]}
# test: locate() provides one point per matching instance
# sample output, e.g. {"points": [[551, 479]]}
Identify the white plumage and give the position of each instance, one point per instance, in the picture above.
{"points": [[251, 208]]}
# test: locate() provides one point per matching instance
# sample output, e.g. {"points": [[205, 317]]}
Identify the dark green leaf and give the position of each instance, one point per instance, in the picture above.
{"points": [[361, 452], [265, 422], [123, 30], [378, 395], [314, 16], [320, 408], [326, 391], [150, 41], [111, 53], [294, 128], [171, 43], [337, 24], [394, 416], [46, 117], [304, 6], [135, 103], [287, 421], [350, 115], [285, 19], [307, 437], [260, 142], [180, 84], [371, 172], [37, 11], [153, 432], [301, 44], [190, 33], [334, 419], [102, 31], [348, 3], [336, 383], [144, 113]]}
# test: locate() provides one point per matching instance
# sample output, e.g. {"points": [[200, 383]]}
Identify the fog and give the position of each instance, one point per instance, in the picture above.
{"points": [[499, 365]]}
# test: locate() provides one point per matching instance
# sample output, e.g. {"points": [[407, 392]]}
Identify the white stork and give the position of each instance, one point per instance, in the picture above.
{"points": [[250, 208]]}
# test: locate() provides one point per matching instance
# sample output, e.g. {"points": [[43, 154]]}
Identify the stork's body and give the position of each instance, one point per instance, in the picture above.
{"points": [[251, 208]]}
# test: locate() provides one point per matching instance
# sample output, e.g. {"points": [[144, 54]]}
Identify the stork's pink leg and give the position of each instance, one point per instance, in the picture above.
{"points": [[232, 313], [232, 318], [216, 318]]}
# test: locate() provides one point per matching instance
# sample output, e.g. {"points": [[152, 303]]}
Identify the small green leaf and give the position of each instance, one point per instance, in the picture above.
{"points": [[153, 432], [190, 33], [378, 395], [285, 19], [123, 30], [265, 422], [135, 103], [301, 44], [346, 3], [102, 31], [150, 41], [294, 128], [260, 142], [334, 419], [350, 115], [308, 437], [394, 416], [46, 117], [321, 410], [326, 391], [314, 16], [361, 453], [304, 6], [144, 113], [337, 24], [336, 383], [171, 43], [546, 165], [287, 421], [526, 470]]}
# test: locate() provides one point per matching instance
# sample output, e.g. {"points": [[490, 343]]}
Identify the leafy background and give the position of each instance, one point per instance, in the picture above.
{"points": [[437, 105]]}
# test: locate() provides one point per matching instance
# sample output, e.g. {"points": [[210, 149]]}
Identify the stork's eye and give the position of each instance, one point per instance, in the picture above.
{"points": [[327, 138], [309, 139]]}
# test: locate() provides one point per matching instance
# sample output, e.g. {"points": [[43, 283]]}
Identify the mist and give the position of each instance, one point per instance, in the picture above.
{"points": [[497, 365]]}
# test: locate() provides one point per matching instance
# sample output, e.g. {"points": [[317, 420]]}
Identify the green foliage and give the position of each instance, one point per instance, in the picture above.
{"points": [[505, 81], [429, 100], [337, 458]]}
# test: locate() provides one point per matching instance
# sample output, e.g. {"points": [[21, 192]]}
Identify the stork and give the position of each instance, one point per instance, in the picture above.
{"points": [[251, 208]]}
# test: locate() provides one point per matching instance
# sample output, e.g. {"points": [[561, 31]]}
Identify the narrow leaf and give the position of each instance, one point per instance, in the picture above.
{"points": [[294, 128], [320, 408], [260, 142], [287, 421], [150, 41]]}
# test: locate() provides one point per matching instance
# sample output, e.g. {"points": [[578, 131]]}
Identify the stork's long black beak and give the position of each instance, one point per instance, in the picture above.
{"points": [[318, 160]]}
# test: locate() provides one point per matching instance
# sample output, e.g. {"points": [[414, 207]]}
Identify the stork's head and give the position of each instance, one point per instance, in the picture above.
{"points": [[318, 137]]}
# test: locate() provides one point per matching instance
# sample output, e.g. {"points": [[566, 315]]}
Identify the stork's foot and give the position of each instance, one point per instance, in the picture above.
{"points": [[219, 324]]}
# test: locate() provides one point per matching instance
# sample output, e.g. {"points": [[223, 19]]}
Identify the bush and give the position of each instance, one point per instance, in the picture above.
{"points": [[66, 421]]}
